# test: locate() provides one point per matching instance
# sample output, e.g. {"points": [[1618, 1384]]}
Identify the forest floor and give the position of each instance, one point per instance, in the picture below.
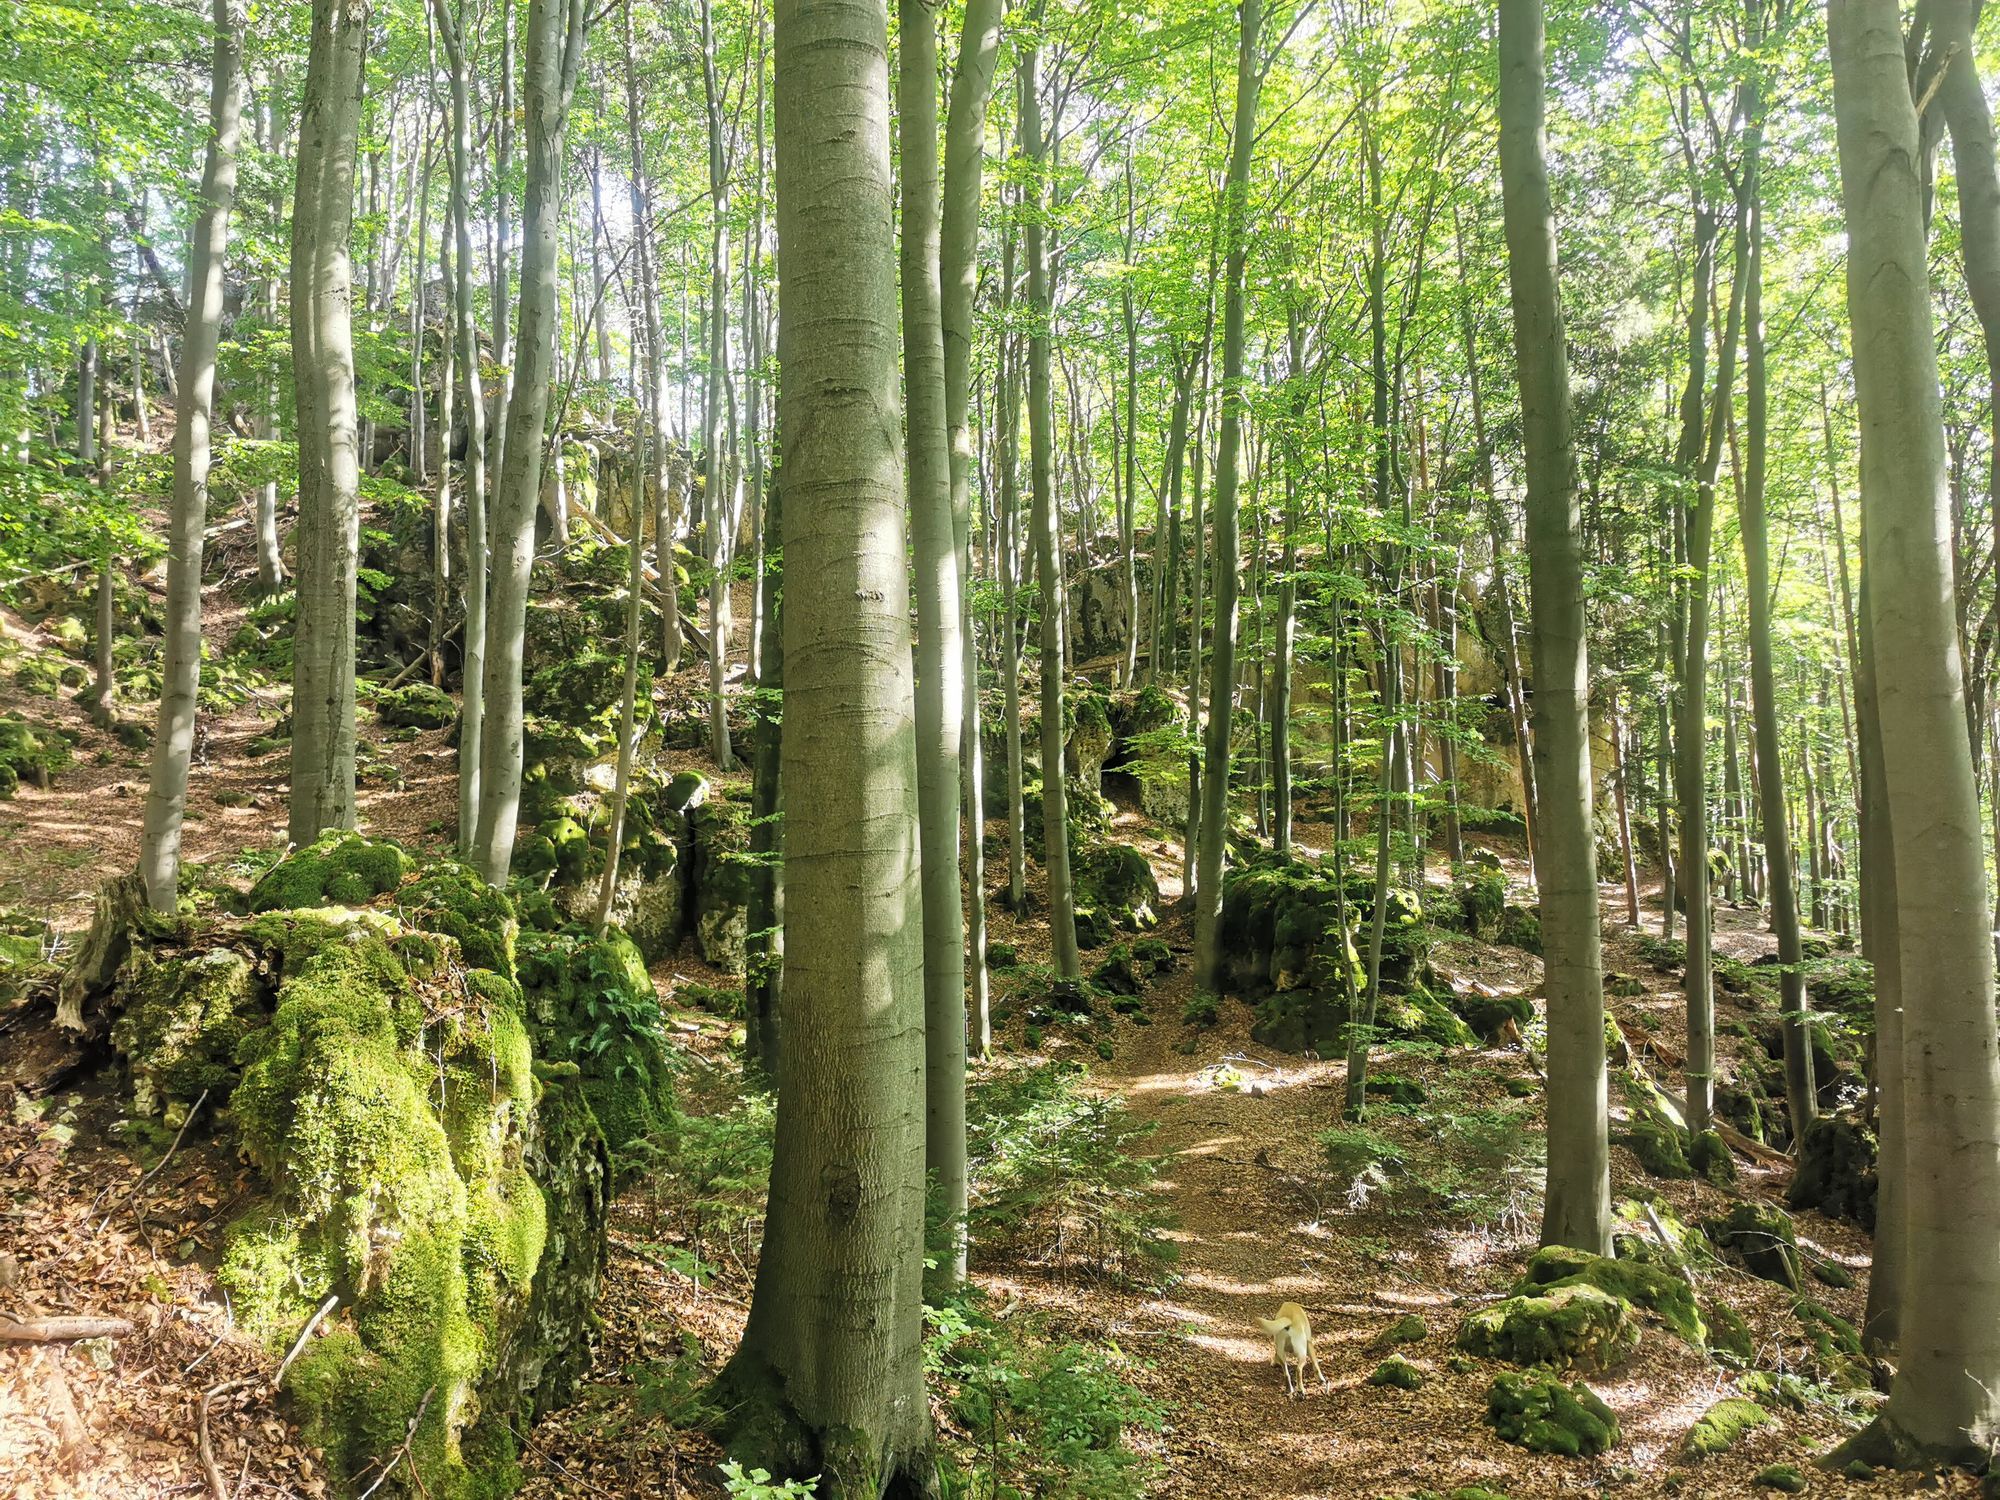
{"points": [[1259, 1220]]}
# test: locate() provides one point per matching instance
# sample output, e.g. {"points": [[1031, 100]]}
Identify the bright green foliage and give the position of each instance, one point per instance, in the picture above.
{"points": [[1573, 1326], [1540, 1413], [339, 869], [1040, 1418], [590, 1001], [1059, 1175], [1718, 1429]]}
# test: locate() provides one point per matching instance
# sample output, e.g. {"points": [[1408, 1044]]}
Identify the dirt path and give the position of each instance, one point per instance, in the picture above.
{"points": [[1262, 1221]]}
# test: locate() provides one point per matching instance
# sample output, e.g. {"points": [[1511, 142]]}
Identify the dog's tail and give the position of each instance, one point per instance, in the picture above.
{"points": [[1276, 1327]]}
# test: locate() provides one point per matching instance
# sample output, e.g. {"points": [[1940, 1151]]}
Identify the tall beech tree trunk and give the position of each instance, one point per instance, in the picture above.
{"points": [[1214, 837], [1048, 541], [1578, 1209], [940, 649], [554, 54], [180, 672], [1783, 884], [328, 530], [958, 277], [1945, 1402], [715, 428], [830, 1371]]}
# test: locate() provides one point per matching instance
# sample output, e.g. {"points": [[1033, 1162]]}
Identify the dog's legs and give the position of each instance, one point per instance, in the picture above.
{"points": [[1313, 1355]]}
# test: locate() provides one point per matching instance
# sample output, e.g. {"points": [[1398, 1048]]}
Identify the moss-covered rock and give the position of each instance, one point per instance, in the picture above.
{"points": [[1575, 1326], [1482, 895], [337, 869], [30, 752], [1764, 1239], [1398, 1372], [183, 1017], [1788, 1479], [590, 1001], [1658, 1291], [1660, 1147], [1494, 1017], [1836, 1173], [1519, 927], [1718, 1429], [451, 898], [417, 706], [1546, 1416], [1119, 880], [1727, 1332], [1089, 740], [1838, 1358], [1408, 1329], [724, 874], [1710, 1158]]}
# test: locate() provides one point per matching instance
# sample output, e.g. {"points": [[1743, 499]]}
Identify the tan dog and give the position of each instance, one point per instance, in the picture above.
{"points": [[1292, 1344]]}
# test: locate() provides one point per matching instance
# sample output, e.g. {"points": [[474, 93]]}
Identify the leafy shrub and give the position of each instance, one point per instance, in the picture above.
{"points": [[1059, 1178], [1041, 1418], [707, 1186]]}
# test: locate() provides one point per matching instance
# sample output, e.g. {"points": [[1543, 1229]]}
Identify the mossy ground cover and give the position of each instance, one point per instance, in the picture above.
{"points": [[435, 1145]]}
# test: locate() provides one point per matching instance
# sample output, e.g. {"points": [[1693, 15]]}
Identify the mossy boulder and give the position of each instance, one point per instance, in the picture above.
{"points": [[1723, 1425], [1117, 879], [1763, 1237], [29, 752], [1408, 1329], [418, 706], [337, 869], [1651, 1287], [1787, 1479], [1544, 1415], [1836, 1173], [1144, 711], [451, 898], [1519, 927], [392, 1103], [1398, 1372], [1481, 891], [1727, 1332], [1838, 1357], [1574, 1326], [1710, 1158], [1089, 740], [1660, 1147], [724, 875], [25, 942], [1494, 1017], [183, 1017], [589, 1001]]}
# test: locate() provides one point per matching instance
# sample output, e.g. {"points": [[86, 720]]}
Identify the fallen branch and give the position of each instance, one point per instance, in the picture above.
{"points": [[1731, 1136], [218, 1487], [60, 1330], [1667, 1245], [332, 1301]]}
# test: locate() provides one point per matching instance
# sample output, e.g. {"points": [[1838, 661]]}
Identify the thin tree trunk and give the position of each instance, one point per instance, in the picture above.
{"points": [[554, 53], [1578, 1208], [1214, 833], [180, 670], [940, 649], [328, 531], [958, 258], [715, 432]]}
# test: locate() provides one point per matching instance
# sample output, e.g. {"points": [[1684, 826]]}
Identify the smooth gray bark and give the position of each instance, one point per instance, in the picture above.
{"points": [[180, 669], [1578, 1207]]}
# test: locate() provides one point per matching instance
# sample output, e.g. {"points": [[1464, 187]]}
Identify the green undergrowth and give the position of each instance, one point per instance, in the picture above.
{"points": [[1063, 1177], [1453, 1149], [1030, 1413]]}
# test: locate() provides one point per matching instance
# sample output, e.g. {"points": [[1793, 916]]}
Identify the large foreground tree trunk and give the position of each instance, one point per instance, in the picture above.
{"points": [[173, 740], [1578, 1211], [1945, 1403], [829, 1378], [328, 531]]}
